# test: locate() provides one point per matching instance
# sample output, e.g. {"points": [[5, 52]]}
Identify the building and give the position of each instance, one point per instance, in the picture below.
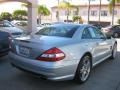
{"points": [[82, 10]]}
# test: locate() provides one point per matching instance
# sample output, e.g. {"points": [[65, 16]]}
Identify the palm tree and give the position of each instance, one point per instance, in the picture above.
{"points": [[24, 5], [100, 11], [66, 5], [42, 11], [58, 15], [89, 11], [112, 8]]}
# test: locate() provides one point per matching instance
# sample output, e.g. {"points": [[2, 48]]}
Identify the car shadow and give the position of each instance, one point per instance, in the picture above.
{"points": [[100, 76], [96, 75], [3, 59]]}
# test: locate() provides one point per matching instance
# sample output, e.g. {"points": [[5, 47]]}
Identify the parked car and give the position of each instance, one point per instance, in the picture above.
{"points": [[4, 43], [62, 51], [98, 26], [45, 24], [21, 23], [112, 30], [6, 26]]}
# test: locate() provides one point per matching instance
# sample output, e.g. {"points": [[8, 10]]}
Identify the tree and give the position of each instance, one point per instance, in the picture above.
{"points": [[67, 6], [78, 19], [89, 4], [100, 10], [19, 14], [112, 8], [57, 14], [42, 11], [89, 11], [118, 21], [6, 16], [24, 5]]}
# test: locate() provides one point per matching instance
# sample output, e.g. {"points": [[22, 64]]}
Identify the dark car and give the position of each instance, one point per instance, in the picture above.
{"points": [[98, 26], [112, 30], [4, 43]]}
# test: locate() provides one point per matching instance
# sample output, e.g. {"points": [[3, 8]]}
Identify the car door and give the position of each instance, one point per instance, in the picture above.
{"points": [[88, 38], [102, 49]]}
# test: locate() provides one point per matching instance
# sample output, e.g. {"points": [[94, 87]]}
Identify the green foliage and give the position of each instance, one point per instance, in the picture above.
{"points": [[6, 16], [112, 4], [65, 5], [43, 10], [24, 5], [77, 18], [19, 14], [118, 21]]}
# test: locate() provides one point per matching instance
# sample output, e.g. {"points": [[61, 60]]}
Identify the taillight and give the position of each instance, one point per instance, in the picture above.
{"points": [[52, 55]]}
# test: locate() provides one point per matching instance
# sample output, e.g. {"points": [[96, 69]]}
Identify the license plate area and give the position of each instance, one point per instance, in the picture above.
{"points": [[23, 51]]}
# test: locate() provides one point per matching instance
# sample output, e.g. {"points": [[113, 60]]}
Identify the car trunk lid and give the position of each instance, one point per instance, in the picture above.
{"points": [[33, 46]]}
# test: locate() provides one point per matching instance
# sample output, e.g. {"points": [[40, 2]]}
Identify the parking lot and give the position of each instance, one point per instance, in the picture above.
{"points": [[105, 76]]}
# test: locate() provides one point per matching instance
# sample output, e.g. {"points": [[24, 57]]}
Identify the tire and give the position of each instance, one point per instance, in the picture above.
{"points": [[83, 69], [114, 51], [116, 35]]}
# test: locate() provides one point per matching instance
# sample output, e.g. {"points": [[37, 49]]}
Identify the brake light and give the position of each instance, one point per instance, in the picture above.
{"points": [[52, 55]]}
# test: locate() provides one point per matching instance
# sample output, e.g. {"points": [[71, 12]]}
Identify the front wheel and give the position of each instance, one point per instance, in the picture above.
{"points": [[84, 69]]}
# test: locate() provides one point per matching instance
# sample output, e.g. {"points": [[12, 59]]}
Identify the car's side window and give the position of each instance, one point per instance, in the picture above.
{"points": [[117, 27], [86, 34], [96, 33]]}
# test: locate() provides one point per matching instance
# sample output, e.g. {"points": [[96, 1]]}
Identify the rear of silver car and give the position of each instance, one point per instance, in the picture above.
{"points": [[25, 57], [47, 56]]}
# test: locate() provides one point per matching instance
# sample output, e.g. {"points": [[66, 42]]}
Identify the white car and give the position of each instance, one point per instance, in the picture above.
{"points": [[6, 26]]}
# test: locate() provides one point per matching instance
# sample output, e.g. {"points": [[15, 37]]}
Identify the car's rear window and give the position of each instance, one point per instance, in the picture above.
{"points": [[60, 31]]}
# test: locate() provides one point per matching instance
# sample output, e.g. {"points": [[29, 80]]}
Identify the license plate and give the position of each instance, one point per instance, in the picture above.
{"points": [[24, 51]]}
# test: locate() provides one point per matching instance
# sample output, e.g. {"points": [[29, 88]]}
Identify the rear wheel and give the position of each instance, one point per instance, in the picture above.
{"points": [[84, 69], [114, 51]]}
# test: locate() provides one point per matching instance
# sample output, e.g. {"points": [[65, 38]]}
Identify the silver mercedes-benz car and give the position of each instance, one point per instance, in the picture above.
{"points": [[62, 51]]}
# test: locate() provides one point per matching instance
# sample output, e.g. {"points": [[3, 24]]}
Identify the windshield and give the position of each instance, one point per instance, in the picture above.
{"points": [[60, 31], [5, 24]]}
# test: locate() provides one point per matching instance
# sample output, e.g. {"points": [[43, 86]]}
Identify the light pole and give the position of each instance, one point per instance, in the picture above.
{"points": [[89, 12]]}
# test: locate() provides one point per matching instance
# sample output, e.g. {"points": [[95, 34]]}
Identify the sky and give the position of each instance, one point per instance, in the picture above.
{"points": [[11, 6]]}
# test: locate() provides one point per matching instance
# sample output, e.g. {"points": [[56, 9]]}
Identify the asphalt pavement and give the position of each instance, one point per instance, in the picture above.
{"points": [[105, 76]]}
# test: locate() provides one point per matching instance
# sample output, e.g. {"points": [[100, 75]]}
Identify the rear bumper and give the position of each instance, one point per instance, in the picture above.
{"points": [[51, 71]]}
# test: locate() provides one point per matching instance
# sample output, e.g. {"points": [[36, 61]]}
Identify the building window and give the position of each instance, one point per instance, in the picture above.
{"points": [[104, 13], [85, 13], [115, 12], [93, 13], [67, 12], [75, 12]]}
